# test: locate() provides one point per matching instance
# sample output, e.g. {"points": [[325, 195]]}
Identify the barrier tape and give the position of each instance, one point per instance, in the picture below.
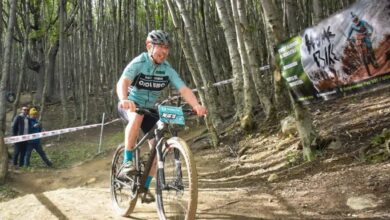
{"points": [[27, 137], [220, 83]]}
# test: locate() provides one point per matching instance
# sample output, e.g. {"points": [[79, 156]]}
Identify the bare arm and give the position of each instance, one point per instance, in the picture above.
{"points": [[190, 97], [121, 90], [122, 87]]}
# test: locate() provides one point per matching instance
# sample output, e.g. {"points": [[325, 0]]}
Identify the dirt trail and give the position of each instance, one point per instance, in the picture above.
{"points": [[311, 195], [82, 192]]}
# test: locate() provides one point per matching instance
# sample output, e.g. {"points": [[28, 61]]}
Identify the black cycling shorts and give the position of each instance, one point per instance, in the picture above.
{"points": [[147, 123]]}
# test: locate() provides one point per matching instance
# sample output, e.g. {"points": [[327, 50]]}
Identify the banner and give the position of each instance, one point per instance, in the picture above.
{"points": [[344, 54]]}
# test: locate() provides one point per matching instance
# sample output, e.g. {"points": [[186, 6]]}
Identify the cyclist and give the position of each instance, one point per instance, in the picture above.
{"points": [[140, 85], [362, 27]]}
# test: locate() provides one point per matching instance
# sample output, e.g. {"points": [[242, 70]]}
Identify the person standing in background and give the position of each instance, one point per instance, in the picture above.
{"points": [[20, 126], [35, 127]]}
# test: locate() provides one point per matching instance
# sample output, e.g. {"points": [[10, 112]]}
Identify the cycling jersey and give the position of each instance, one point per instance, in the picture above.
{"points": [[148, 79], [363, 28]]}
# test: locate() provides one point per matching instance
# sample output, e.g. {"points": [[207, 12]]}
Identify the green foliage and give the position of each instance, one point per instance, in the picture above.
{"points": [[45, 17], [68, 153], [378, 152], [36, 34], [294, 158], [380, 139], [7, 193]]}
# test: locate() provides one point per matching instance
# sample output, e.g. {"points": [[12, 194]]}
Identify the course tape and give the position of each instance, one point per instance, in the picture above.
{"points": [[26, 137], [224, 82]]}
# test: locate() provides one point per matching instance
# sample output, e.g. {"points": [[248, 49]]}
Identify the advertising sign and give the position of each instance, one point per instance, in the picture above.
{"points": [[344, 54]]}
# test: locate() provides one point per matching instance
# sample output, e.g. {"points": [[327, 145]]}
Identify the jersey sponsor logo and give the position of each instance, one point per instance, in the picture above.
{"points": [[160, 72], [153, 83]]}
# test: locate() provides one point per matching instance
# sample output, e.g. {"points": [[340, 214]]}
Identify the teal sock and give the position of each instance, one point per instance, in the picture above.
{"points": [[148, 181], [128, 156]]}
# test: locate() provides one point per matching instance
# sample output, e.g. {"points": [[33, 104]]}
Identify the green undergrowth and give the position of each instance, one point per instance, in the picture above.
{"points": [[378, 151], [7, 193], [68, 151]]}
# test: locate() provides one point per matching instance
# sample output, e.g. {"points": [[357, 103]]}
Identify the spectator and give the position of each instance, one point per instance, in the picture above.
{"points": [[20, 126], [35, 127]]}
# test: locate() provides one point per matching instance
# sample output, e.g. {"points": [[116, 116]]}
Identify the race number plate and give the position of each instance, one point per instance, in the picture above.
{"points": [[171, 115]]}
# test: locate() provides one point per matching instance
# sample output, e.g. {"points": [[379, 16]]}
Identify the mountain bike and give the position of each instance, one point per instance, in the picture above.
{"points": [[176, 179]]}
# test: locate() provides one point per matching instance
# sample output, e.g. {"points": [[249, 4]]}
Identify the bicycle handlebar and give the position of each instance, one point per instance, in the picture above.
{"points": [[142, 111]]}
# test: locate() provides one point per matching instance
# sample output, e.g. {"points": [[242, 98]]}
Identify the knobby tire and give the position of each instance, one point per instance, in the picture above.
{"points": [[190, 179], [128, 206]]}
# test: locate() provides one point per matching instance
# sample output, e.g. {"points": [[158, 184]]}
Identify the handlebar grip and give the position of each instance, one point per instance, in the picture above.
{"points": [[189, 111], [142, 111]]}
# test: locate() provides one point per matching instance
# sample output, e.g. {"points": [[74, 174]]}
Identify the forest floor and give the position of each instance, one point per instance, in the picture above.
{"points": [[250, 176]]}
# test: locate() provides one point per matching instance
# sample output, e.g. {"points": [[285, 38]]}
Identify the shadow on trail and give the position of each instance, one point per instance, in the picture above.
{"points": [[222, 216], [50, 206]]}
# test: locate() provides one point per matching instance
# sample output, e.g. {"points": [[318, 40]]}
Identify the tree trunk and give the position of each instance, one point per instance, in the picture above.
{"points": [[86, 64], [305, 127], [40, 54], [231, 41], [148, 23], [135, 27], [317, 15], [24, 60], [49, 71], [246, 120], [93, 62], [292, 17], [192, 65], [1, 33], [260, 86], [201, 63], [65, 117], [210, 33], [4, 78], [274, 33], [115, 33], [82, 73]]}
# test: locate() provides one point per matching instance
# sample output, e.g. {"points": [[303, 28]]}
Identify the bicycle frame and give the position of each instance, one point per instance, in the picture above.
{"points": [[156, 150]]}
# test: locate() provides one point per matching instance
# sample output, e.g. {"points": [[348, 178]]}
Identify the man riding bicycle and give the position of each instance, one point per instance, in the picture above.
{"points": [[146, 76], [363, 28]]}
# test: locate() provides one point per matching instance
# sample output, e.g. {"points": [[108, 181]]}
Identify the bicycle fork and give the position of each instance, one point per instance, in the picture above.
{"points": [[160, 163], [177, 183]]}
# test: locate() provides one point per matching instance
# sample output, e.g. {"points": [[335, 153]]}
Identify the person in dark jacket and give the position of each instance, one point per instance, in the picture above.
{"points": [[35, 144], [20, 126]]}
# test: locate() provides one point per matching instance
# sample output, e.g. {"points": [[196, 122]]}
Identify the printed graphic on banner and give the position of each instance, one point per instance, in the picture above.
{"points": [[344, 54], [292, 70]]}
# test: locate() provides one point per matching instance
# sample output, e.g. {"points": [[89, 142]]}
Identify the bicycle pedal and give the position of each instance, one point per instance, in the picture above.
{"points": [[147, 198]]}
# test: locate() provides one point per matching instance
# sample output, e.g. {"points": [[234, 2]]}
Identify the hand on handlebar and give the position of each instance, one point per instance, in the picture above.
{"points": [[127, 104], [200, 110]]}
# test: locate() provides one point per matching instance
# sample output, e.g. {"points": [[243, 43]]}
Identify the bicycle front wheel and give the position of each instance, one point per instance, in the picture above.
{"points": [[124, 193], [178, 198]]}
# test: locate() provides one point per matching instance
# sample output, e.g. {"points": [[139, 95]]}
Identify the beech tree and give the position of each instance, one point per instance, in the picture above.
{"points": [[4, 77]]}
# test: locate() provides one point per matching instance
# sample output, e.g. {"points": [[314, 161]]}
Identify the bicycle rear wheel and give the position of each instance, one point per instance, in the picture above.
{"points": [[124, 194], [178, 199]]}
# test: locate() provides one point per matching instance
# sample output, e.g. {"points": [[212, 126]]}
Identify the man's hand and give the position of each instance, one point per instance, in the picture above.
{"points": [[127, 104], [200, 110]]}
